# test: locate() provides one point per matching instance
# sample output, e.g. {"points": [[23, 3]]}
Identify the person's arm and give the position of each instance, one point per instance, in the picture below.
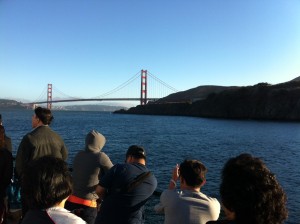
{"points": [[160, 207], [8, 143], [22, 156], [175, 176], [105, 182], [64, 152], [7, 172], [100, 191], [105, 162]]}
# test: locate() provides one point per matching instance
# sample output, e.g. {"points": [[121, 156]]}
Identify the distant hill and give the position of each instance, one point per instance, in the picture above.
{"points": [[261, 101], [13, 104], [194, 94], [92, 107]]}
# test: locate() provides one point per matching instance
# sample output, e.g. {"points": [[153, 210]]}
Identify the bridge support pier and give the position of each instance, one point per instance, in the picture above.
{"points": [[143, 87]]}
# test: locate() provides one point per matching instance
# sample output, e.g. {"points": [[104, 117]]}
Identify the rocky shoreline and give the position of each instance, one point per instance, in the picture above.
{"points": [[259, 102]]}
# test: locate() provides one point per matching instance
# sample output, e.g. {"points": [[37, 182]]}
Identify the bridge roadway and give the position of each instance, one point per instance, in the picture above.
{"points": [[99, 99]]}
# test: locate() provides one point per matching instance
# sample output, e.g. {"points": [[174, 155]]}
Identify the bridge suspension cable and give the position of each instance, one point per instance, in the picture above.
{"points": [[162, 82], [129, 81], [42, 95], [56, 90]]}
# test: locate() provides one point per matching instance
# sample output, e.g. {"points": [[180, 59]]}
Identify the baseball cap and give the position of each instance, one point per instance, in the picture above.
{"points": [[136, 151]]}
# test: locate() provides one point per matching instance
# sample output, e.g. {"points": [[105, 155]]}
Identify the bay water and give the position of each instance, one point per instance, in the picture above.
{"points": [[169, 140]]}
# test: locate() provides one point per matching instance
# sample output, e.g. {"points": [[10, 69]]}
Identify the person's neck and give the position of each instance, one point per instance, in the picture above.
{"points": [[135, 160], [39, 125], [183, 186], [190, 189], [61, 204]]}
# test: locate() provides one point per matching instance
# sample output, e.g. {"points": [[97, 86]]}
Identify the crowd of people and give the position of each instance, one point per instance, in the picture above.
{"points": [[96, 191]]}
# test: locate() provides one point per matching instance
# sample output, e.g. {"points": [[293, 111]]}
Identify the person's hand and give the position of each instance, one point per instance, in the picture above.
{"points": [[175, 174]]}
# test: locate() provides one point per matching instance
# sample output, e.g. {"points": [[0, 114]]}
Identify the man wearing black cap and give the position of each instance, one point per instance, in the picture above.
{"points": [[125, 189]]}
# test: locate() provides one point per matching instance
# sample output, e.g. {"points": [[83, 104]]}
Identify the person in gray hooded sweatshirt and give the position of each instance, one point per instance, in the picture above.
{"points": [[88, 167]]}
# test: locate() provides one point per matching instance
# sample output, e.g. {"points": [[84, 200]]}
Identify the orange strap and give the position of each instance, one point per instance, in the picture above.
{"points": [[77, 200]]}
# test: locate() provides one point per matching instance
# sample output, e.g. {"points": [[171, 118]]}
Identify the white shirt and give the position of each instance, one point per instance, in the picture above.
{"points": [[187, 207], [63, 216]]}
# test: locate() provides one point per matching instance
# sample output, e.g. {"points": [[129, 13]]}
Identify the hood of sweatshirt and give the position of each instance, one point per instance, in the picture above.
{"points": [[94, 141]]}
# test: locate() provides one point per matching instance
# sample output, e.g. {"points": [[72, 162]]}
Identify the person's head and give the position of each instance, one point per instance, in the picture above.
{"points": [[94, 141], [2, 136], [42, 116], [46, 182], [136, 153], [193, 173], [250, 193]]}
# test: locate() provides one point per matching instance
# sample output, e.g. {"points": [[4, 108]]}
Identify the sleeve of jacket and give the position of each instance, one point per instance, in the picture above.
{"points": [[64, 152], [23, 155], [7, 172], [105, 162], [8, 143]]}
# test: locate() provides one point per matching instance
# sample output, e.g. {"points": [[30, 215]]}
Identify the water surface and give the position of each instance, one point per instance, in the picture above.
{"points": [[169, 140]]}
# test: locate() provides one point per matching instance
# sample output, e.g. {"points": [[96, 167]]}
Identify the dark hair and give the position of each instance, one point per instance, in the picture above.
{"points": [[44, 115], [250, 190], [193, 172], [136, 151], [46, 182]]}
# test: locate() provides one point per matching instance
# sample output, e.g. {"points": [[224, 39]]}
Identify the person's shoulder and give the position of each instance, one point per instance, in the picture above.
{"points": [[64, 215], [210, 198], [36, 216], [5, 152], [102, 154], [36, 131], [118, 168], [169, 192], [74, 219], [214, 202]]}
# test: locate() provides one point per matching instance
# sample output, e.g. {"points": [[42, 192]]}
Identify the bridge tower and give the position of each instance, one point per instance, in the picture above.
{"points": [[49, 97], [143, 87]]}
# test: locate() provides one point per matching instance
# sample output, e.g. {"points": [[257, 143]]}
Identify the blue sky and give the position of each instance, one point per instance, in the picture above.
{"points": [[87, 48]]}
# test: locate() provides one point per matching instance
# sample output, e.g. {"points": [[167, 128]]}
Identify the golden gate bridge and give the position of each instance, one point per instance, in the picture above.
{"points": [[150, 88]]}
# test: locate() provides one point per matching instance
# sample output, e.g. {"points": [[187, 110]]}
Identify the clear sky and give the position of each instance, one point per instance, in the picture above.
{"points": [[88, 47]]}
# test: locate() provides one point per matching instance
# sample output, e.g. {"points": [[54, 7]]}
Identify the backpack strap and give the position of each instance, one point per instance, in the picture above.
{"points": [[136, 181], [130, 186]]}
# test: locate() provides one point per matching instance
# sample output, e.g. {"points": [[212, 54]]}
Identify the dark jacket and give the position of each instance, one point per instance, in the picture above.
{"points": [[6, 170], [42, 141], [8, 144]]}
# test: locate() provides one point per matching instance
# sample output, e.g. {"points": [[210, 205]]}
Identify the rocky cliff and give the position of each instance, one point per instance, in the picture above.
{"points": [[261, 101]]}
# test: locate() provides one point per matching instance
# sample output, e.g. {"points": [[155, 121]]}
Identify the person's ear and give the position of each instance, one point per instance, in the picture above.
{"points": [[203, 182]]}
